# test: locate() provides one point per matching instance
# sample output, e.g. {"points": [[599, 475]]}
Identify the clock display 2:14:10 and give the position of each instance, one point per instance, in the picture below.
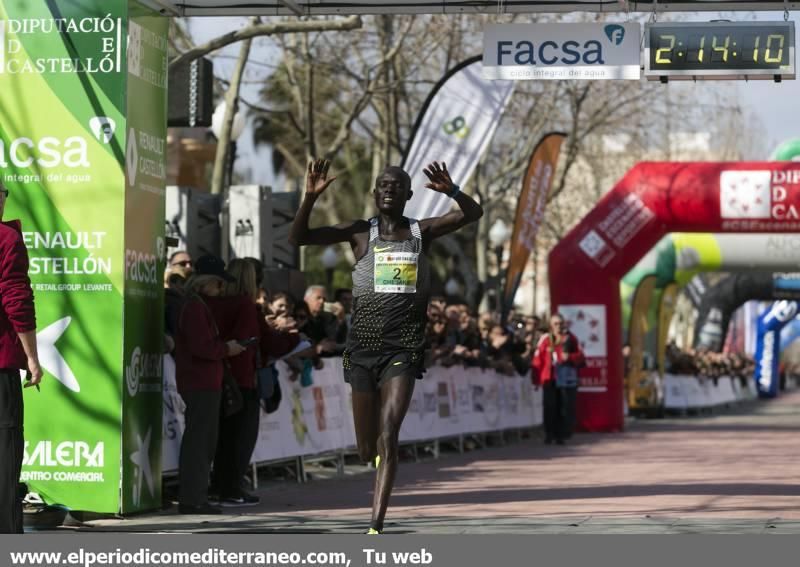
{"points": [[695, 50]]}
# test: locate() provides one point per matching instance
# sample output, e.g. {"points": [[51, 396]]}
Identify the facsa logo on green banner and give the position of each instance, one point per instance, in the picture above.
{"points": [[562, 51], [82, 151]]}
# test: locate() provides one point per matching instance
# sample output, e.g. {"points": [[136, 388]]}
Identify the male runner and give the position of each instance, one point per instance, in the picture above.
{"points": [[391, 287]]}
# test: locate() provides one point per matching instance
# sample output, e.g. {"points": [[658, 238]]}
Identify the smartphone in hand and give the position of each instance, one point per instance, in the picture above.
{"points": [[28, 379], [248, 342]]}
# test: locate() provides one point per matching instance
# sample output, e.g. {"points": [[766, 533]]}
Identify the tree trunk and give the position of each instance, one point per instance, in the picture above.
{"points": [[231, 106]]}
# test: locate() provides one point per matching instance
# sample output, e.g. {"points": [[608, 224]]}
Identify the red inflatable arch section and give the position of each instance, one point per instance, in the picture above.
{"points": [[652, 200]]}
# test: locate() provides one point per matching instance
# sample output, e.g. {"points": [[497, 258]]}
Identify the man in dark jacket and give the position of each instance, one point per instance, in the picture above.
{"points": [[17, 352]]}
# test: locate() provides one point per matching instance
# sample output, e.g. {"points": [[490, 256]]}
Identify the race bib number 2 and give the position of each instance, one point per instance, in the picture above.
{"points": [[396, 272]]}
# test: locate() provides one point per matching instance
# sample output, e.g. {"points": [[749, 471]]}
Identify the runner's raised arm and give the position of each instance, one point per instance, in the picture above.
{"points": [[470, 211], [317, 182]]}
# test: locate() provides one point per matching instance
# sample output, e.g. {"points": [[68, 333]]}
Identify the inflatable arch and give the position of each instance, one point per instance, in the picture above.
{"points": [[722, 299], [790, 333], [768, 346], [651, 200], [674, 261]]}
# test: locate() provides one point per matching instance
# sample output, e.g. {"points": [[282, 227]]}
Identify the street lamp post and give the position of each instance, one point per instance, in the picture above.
{"points": [[498, 234], [236, 130], [330, 258]]}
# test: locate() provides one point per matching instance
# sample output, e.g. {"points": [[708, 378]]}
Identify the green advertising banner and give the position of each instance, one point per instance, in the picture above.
{"points": [[144, 255], [76, 106]]}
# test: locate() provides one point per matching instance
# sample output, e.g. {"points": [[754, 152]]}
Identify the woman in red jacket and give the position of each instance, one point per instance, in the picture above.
{"points": [[238, 317], [200, 352], [558, 348]]}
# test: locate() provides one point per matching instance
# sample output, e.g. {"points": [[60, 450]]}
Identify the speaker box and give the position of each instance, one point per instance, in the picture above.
{"points": [[284, 209], [250, 225], [191, 94], [192, 221]]}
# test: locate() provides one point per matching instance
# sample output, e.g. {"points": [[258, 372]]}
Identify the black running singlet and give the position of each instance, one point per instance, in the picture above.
{"points": [[391, 289]]}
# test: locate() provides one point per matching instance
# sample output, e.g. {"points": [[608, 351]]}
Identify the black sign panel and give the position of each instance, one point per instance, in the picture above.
{"points": [[720, 50]]}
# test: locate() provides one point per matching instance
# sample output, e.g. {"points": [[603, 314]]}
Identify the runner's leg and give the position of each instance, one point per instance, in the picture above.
{"points": [[366, 418], [396, 395]]}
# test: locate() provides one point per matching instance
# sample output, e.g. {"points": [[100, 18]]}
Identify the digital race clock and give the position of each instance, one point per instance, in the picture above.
{"points": [[720, 50]]}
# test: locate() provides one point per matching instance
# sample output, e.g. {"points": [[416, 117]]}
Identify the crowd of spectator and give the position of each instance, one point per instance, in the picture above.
{"points": [[457, 335], [705, 363]]}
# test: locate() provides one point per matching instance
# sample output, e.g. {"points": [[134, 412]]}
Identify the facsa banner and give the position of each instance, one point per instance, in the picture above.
{"points": [[562, 51], [82, 134]]}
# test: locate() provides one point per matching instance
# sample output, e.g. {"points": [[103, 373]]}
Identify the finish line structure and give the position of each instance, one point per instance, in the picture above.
{"points": [[651, 200], [336, 7]]}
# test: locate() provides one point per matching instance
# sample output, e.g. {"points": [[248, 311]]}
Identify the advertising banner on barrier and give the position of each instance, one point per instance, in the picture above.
{"points": [[64, 107], [455, 126], [318, 419], [311, 420], [553, 51]]}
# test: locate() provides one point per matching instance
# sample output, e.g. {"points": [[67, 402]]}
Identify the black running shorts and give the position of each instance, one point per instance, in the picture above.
{"points": [[368, 372]]}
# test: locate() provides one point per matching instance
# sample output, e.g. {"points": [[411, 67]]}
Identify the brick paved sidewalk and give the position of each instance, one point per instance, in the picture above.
{"points": [[732, 473]]}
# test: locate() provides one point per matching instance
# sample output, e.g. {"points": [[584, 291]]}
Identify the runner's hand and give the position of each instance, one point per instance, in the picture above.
{"points": [[317, 177], [439, 177]]}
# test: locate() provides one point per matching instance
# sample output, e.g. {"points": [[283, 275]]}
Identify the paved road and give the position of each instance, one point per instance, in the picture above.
{"points": [[737, 472]]}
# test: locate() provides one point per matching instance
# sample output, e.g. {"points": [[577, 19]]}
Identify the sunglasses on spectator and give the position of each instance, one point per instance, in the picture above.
{"points": [[185, 263]]}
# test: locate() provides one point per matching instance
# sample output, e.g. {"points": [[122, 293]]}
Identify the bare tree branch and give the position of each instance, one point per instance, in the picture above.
{"points": [[260, 30]]}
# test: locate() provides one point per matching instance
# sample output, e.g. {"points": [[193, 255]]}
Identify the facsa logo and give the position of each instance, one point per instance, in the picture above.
{"points": [[141, 267], [615, 33], [552, 51], [46, 153]]}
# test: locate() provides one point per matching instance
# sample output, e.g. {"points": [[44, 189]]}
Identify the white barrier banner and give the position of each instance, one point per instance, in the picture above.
{"points": [[684, 392], [318, 418], [309, 420]]}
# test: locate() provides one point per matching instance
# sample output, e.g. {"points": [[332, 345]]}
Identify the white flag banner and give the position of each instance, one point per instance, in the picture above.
{"points": [[455, 126]]}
